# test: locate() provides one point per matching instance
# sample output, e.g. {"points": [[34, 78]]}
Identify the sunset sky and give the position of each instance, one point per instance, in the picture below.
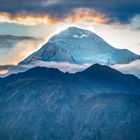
{"points": [[116, 21]]}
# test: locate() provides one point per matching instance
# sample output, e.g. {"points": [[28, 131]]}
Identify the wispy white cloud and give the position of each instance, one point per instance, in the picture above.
{"points": [[135, 22], [12, 51], [131, 68], [62, 66]]}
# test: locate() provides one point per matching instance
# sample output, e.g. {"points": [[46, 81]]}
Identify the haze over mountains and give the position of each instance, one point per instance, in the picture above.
{"points": [[9, 41], [15, 48]]}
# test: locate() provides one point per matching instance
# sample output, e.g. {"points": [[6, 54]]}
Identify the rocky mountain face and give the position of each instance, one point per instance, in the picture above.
{"points": [[99, 103]]}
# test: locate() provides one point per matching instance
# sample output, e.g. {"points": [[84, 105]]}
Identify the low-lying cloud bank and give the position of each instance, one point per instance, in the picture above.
{"points": [[62, 66], [131, 68]]}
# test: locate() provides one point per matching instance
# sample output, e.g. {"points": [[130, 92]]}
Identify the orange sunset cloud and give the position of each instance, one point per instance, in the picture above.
{"points": [[33, 20]]}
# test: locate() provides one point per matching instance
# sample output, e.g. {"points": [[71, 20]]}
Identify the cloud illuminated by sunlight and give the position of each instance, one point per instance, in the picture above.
{"points": [[26, 20], [2, 72], [76, 16], [87, 14]]}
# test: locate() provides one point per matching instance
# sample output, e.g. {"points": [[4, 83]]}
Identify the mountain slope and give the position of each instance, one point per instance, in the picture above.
{"points": [[96, 79], [48, 104], [76, 45]]}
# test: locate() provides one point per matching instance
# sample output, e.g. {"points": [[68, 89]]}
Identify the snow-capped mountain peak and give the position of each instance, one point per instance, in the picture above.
{"points": [[80, 46]]}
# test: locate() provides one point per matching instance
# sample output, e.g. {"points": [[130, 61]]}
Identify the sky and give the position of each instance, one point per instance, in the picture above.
{"points": [[116, 21]]}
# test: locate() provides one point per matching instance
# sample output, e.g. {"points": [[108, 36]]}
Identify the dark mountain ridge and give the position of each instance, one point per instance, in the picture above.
{"points": [[46, 104], [99, 79]]}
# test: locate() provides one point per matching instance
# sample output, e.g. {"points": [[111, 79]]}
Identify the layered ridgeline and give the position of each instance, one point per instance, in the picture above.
{"points": [[80, 46], [45, 104], [95, 79]]}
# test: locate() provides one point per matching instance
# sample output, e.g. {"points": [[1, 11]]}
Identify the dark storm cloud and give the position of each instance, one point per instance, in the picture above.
{"points": [[116, 10], [5, 67]]}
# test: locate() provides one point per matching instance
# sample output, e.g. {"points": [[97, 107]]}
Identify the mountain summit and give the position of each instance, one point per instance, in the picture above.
{"points": [[80, 46]]}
